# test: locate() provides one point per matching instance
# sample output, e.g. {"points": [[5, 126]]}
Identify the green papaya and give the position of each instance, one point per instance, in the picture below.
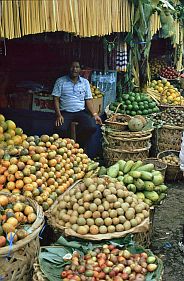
{"points": [[113, 170], [151, 195], [139, 184], [155, 173], [148, 201], [135, 174], [136, 165], [163, 187], [146, 168], [146, 176], [140, 195], [102, 171], [148, 186], [131, 187], [128, 179], [158, 179], [128, 166], [122, 164], [120, 178]]}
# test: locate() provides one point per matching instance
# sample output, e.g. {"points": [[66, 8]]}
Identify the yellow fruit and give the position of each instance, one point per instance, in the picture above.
{"points": [[167, 83], [2, 118], [11, 132], [18, 131], [160, 89], [11, 124], [164, 101]]}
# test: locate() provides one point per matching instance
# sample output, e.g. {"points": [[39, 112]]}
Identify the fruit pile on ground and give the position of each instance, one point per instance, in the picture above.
{"points": [[134, 104], [109, 263], [169, 72], [96, 93], [99, 206], [143, 180], [15, 212], [9, 133], [43, 169]]}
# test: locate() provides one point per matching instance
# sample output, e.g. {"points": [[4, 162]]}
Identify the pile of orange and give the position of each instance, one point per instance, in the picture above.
{"points": [[15, 211]]}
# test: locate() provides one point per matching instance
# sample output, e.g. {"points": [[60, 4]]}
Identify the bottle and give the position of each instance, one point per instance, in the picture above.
{"points": [[94, 78]]}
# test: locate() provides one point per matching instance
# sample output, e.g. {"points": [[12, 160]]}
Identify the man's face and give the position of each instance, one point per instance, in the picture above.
{"points": [[75, 69]]}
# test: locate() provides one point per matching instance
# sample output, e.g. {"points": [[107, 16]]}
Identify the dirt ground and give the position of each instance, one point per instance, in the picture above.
{"points": [[168, 231]]}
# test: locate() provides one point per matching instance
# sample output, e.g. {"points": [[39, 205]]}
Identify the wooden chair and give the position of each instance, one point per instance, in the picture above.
{"points": [[73, 130]]}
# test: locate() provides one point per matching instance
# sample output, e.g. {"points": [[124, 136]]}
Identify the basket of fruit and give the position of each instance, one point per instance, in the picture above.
{"points": [[95, 209], [118, 122], [171, 158], [169, 73], [21, 220], [68, 261]]}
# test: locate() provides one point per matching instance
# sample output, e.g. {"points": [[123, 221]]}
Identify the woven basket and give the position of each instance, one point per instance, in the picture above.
{"points": [[115, 123], [16, 262], [169, 138], [112, 155], [159, 166], [127, 143], [173, 172], [38, 274]]}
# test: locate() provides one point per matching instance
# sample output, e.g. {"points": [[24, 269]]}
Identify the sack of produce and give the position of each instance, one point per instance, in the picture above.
{"points": [[21, 220], [99, 208], [116, 260]]}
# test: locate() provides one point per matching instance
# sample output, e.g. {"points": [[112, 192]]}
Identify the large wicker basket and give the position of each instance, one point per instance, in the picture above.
{"points": [[127, 143], [16, 262], [112, 155], [169, 138], [173, 172]]}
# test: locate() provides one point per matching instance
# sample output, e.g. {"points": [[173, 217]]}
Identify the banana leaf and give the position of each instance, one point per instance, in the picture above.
{"points": [[52, 263]]}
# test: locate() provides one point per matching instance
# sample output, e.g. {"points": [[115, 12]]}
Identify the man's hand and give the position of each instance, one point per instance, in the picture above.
{"points": [[98, 119], [59, 120]]}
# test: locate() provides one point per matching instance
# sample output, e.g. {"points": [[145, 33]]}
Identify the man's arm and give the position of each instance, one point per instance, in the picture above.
{"points": [[59, 117], [90, 107]]}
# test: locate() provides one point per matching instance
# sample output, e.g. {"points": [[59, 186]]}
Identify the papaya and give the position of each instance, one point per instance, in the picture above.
{"points": [[129, 164], [120, 178], [102, 171], [139, 184], [131, 187], [113, 170], [148, 201], [147, 168], [135, 174], [136, 165], [140, 195], [149, 186], [128, 179], [122, 164], [158, 179], [163, 188], [146, 176], [151, 195]]}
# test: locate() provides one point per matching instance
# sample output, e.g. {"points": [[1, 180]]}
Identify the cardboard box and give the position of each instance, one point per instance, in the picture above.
{"points": [[98, 104]]}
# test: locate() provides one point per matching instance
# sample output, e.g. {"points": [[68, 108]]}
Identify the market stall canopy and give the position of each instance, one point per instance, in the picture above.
{"points": [[82, 17]]}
